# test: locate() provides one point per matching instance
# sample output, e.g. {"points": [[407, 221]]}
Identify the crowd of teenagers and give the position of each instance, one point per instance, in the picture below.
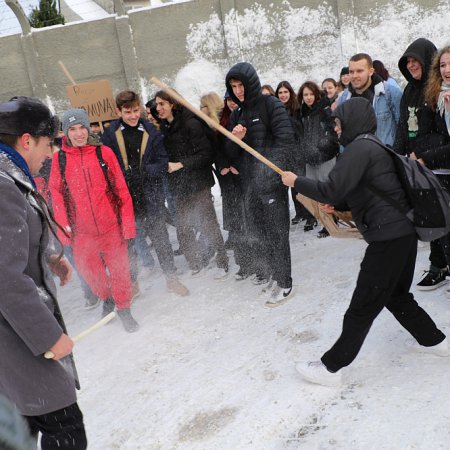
{"points": [[108, 196]]}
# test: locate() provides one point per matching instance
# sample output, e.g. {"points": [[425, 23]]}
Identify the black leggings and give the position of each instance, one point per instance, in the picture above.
{"points": [[61, 430]]}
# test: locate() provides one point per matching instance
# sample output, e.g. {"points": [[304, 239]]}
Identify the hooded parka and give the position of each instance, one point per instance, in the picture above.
{"points": [[416, 129]]}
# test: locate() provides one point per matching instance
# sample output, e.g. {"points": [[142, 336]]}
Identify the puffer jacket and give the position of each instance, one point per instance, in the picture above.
{"points": [[186, 141], [363, 163], [87, 208], [319, 142], [416, 131], [269, 132]]}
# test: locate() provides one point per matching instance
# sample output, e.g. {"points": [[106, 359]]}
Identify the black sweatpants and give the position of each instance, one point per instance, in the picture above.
{"points": [[384, 280], [267, 223], [61, 430]]}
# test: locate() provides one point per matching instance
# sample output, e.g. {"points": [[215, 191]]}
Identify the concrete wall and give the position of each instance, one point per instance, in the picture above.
{"points": [[196, 41]]}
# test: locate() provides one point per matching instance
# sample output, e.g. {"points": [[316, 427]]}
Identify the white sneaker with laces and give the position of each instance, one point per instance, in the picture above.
{"points": [[279, 295], [441, 349], [316, 372]]}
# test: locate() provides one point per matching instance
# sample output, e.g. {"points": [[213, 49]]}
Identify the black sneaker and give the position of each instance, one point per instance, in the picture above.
{"points": [[127, 320], [432, 280], [108, 307], [297, 219], [323, 233], [310, 224]]}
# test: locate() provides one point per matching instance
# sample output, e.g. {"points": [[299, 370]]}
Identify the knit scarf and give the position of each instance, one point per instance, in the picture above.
{"points": [[442, 107], [18, 160]]}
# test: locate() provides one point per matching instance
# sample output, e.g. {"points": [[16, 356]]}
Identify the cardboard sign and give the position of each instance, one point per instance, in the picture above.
{"points": [[96, 98]]}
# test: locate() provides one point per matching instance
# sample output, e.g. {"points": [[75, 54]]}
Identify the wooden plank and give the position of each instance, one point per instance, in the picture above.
{"points": [[349, 230]]}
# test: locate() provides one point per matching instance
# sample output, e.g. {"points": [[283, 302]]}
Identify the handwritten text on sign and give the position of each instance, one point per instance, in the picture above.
{"points": [[95, 98]]}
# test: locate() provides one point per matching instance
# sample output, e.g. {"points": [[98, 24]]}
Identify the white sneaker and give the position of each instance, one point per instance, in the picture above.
{"points": [[220, 274], [316, 372], [278, 296], [441, 349]]}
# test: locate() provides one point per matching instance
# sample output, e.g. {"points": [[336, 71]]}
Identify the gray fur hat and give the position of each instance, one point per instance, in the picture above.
{"points": [[75, 116]]}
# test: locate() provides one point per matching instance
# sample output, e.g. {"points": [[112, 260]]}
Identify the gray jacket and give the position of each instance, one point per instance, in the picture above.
{"points": [[30, 320]]}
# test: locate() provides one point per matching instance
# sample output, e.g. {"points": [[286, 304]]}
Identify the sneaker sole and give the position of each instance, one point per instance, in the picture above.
{"points": [[431, 288], [282, 301], [331, 382]]}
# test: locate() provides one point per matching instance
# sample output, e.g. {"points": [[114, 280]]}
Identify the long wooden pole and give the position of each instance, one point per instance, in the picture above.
{"points": [[215, 125], [49, 355]]}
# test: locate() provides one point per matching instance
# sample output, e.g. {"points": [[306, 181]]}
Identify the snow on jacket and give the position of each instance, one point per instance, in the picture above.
{"points": [[269, 132], [438, 156], [386, 103], [186, 141], [90, 210], [362, 163], [416, 131], [30, 321], [319, 142], [153, 167]]}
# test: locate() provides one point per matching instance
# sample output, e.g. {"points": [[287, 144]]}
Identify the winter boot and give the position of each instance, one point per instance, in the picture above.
{"points": [[174, 285], [108, 307], [128, 321], [310, 224], [135, 291]]}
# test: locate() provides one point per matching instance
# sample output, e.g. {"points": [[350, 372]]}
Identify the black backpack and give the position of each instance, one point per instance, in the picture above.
{"points": [[112, 194], [429, 203]]}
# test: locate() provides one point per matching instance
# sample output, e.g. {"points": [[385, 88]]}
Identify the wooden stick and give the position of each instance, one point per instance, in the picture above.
{"points": [[66, 72], [216, 126], [49, 354]]}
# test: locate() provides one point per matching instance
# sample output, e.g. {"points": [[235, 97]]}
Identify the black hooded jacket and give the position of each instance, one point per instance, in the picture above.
{"points": [[416, 129], [186, 141], [362, 163], [319, 142], [269, 131]]}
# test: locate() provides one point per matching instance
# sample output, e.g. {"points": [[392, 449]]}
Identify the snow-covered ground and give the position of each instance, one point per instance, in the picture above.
{"points": [[215, 370]]}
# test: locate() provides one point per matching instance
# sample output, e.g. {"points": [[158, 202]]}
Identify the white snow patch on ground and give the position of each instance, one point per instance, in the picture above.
{"points": [[215, 370]]}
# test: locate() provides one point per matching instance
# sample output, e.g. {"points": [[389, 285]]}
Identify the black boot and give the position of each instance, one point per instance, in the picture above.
{"points": [[128, 321], [310, 224], [323, 233], [108, 307]]}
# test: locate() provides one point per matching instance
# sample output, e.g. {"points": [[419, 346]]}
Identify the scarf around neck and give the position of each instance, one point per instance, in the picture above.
{"points": [[442, 107], [18, 160]]}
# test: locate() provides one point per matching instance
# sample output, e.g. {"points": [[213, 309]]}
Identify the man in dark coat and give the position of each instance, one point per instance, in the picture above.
{"points": [[42, 390], [417, 135], [263, 123], [388, 265], [139, 148]]}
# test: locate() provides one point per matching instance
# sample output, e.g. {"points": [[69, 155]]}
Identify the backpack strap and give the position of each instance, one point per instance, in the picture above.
{"points": [[112, 194], [67, 197], [143, 145], [404, 210], [121, 144]]}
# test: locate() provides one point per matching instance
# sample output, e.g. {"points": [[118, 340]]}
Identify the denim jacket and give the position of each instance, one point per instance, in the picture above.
{"points": [[386, 103]]}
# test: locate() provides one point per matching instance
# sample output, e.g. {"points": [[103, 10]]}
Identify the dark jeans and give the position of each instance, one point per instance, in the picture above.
{"points": [[61, 430], [440, 248], [157, 232], [196, 211], [384, 280]]}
